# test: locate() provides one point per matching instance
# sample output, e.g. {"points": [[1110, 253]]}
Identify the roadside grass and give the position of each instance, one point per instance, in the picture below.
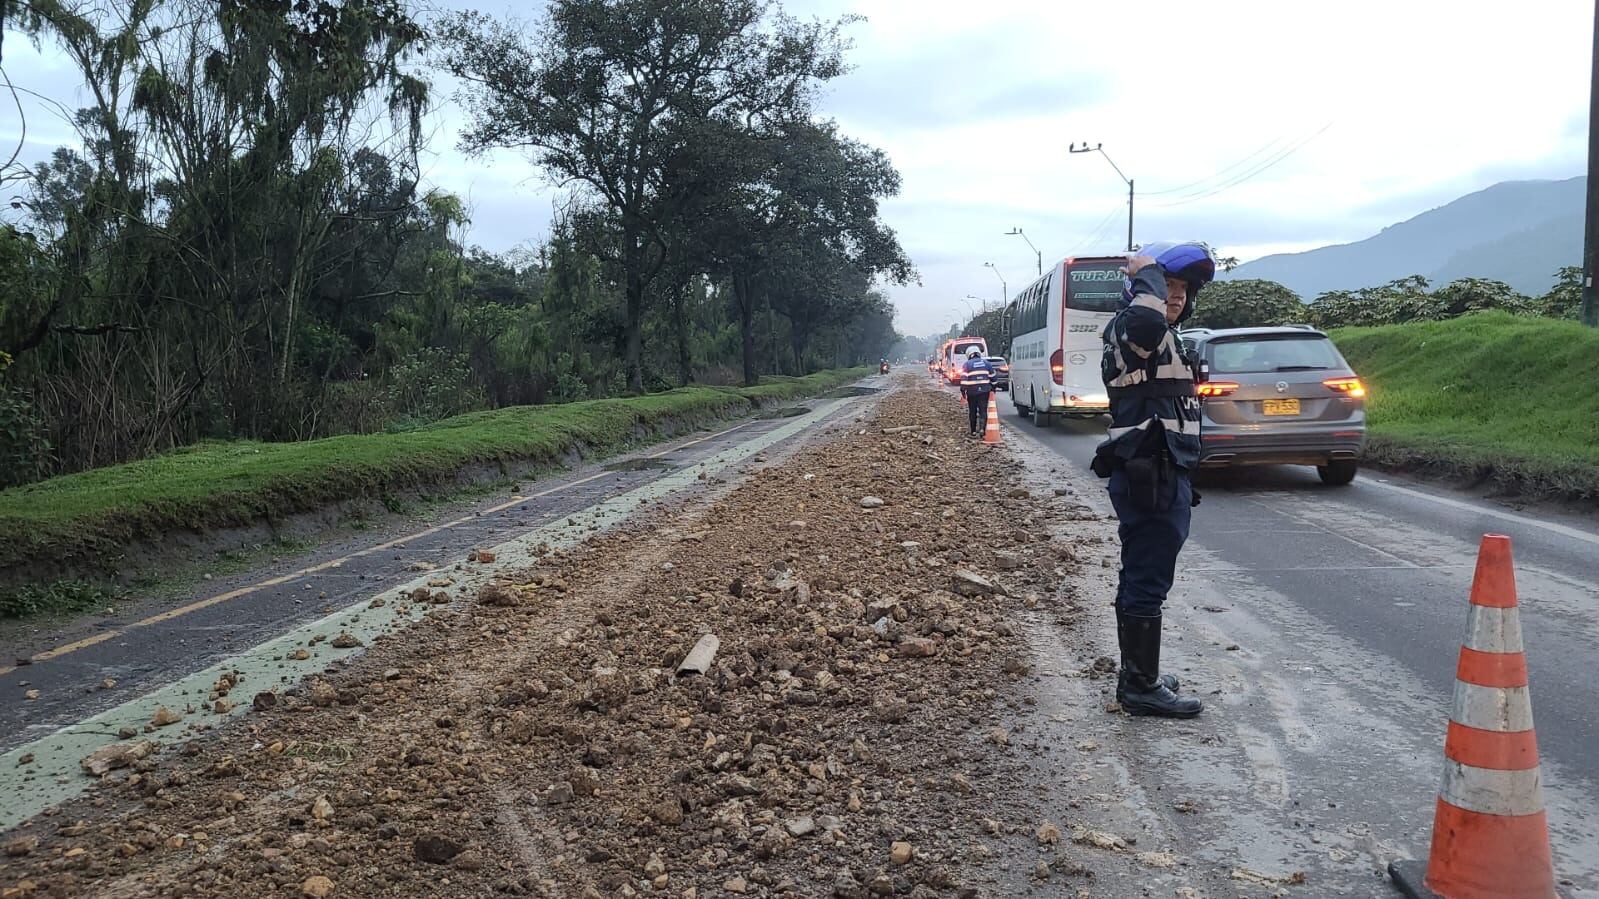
{"points": [[54, 598], [1488, 398], [82, 520]]}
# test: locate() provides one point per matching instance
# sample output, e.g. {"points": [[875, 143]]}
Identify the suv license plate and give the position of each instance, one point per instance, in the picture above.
{"points": [[1281, 407]]}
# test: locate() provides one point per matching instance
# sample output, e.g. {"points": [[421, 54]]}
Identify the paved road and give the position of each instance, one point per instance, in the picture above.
{"points": [[149, 645], [1323, 625]]}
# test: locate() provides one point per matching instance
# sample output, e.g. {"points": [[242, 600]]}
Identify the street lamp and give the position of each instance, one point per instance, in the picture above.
{"points": [[1004, 292], [1017, 232], [1100, 149], [1004, 298]]}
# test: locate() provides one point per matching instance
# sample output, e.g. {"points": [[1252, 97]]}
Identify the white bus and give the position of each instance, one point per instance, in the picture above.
{"points": [[1057, 320]]}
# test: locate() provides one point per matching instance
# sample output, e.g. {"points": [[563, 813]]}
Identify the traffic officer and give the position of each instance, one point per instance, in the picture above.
{"points": [[1152, 446], [977, 380]]}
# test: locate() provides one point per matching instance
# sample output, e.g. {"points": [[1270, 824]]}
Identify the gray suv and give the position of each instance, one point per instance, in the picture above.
{"points": [[1278, 395]]}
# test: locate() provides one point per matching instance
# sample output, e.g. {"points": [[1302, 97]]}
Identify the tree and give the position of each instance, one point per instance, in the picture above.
{"points": [[1408, 299], [1395, 301], [795, 204], [220, 214], [1564, 300], [1248, 302], [610, 96]]}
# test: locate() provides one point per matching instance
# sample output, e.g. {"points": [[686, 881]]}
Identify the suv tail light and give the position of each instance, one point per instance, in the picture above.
{"points": [[1057, 366], [1217, 388], [1347, 386]]}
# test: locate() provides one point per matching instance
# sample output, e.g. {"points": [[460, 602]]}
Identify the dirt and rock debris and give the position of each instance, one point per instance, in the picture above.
{"points": [[851, 734]]}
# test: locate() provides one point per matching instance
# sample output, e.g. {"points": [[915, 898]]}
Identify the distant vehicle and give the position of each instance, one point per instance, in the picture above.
{"points": [[1278, 395], [1054, 357], [952, 357], [1001, 378]]}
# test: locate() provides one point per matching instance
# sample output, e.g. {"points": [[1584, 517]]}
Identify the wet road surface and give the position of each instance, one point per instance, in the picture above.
{"points": [[152, 644], [1322, 626]]}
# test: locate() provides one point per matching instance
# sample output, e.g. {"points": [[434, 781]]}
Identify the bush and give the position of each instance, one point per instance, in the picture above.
{"points": [[24, 450], [59, 598], [1246, 303], [432, 384]]}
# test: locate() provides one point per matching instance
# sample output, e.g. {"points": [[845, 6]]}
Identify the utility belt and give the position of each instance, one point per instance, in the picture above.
{"points": [[1151, 473]]}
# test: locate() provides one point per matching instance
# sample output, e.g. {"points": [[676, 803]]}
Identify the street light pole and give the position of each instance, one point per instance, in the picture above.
{"points": [[1017, 232], [1590, 245], [1004, 292], [1004, 302], [1100, 149]]}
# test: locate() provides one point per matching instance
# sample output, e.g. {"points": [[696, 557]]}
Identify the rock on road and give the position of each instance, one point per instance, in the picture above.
{"points": [[871, 722]]}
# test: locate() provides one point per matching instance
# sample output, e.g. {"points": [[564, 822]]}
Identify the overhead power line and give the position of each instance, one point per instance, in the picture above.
{"points": [[1248, 174], [1100, 230], [1268, 146]]}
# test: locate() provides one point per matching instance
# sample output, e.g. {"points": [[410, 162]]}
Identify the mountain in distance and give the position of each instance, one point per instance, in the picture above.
{"points": [[1518, 232]]}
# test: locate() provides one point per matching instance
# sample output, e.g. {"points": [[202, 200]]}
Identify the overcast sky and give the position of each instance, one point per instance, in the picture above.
{"points": [[1258, 126]]}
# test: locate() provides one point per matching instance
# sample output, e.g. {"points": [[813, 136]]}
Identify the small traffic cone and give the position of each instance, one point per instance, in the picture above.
{"points": [[991, 430], [1490, 836]]}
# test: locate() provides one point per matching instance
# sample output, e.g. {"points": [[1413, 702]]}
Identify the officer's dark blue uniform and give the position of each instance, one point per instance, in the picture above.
{"points": [[1153, 445], [977, 382]]}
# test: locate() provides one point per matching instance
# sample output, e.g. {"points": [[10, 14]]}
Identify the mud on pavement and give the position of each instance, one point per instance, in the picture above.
{"points": [[869, 726]]}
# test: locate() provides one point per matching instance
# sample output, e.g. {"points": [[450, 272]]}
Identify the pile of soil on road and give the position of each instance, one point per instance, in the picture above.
{"points": [[847, 740]]}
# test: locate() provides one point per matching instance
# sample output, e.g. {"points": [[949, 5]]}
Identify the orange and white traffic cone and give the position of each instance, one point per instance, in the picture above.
{"points": [[1490, 836], [991, 430]]}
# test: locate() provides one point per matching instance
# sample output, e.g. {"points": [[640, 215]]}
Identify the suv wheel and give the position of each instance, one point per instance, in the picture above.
{"points": [[1338, 472]]}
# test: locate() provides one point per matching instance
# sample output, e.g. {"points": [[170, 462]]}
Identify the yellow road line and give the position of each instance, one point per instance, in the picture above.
{"points": [[197, 605]]}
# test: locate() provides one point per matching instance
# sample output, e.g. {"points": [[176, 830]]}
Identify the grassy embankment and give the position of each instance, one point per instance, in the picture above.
{"points": [[1488, 398], [82, 521]]}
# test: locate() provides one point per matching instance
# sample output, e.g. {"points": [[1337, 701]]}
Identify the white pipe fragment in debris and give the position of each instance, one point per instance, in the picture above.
{"points": [[698, 660]]}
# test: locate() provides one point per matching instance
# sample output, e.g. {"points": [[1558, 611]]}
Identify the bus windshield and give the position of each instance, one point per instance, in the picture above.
{"points": [[966, 346], [1095, 286]]}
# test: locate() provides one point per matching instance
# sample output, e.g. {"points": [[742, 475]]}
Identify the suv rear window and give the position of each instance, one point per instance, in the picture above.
{"points": [[1271, 353]]}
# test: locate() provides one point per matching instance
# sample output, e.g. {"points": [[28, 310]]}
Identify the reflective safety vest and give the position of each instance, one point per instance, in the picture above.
{"points": [[1149, 382], [977, 376]]}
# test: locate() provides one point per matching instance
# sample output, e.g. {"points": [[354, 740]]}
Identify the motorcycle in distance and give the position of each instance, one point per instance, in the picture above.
{"points": [[882, 366]]}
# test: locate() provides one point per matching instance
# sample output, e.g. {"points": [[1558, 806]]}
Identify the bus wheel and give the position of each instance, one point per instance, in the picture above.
{"points": [[1040, 418], [1016, 404]]}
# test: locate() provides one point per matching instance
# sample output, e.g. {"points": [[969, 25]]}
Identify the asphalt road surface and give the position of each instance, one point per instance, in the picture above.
{"points": [[68, 673], [1322, 626]]}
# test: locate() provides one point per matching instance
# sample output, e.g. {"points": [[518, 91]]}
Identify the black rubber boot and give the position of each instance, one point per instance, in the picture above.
{"points": [[1169, 681], [1144, 694]]}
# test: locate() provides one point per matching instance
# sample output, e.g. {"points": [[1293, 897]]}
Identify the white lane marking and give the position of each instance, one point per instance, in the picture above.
{"points": [[1550, 526], [55, 776], [1461, 505]]}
